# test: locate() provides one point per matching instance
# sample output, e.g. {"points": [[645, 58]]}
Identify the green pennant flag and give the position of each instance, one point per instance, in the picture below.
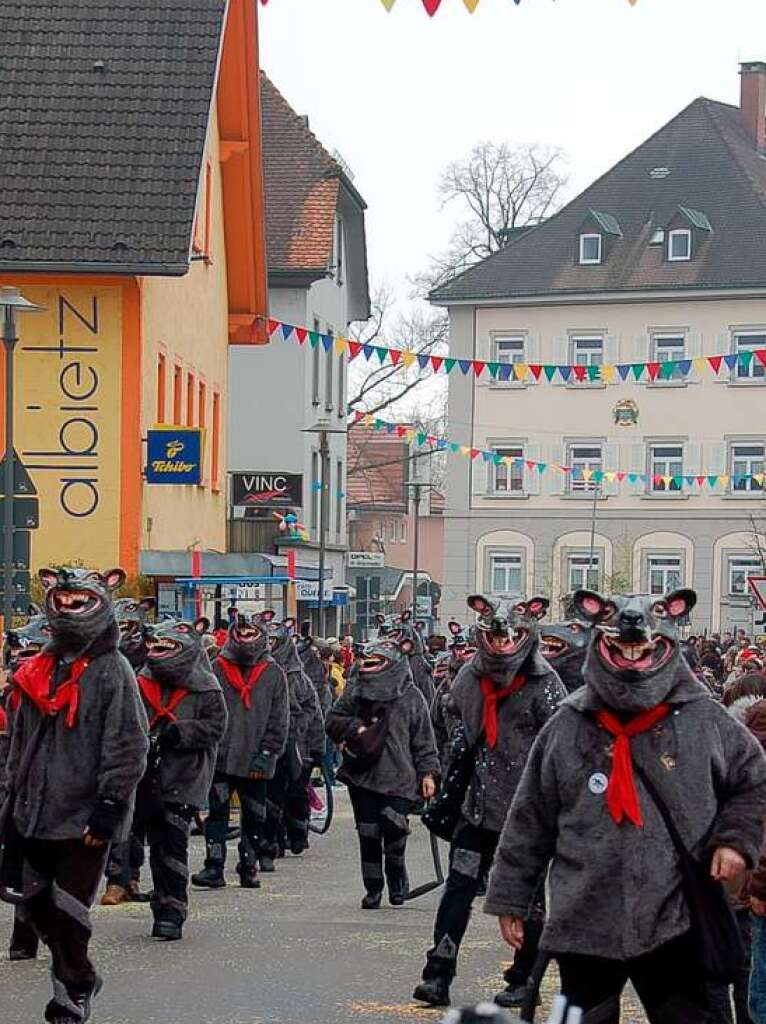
{"points": [[598, 475], [493, 369], [449, 365], [594, 373], [498, 459], [668, 369], [379, 424], [382, 353], [638, 369], [313, 338], [550, 372], [422, 438], [677, 481], [745, 358], [454, 448]]}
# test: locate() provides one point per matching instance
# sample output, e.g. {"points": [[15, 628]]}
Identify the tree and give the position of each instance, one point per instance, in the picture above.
{"points": [[500, 189]]}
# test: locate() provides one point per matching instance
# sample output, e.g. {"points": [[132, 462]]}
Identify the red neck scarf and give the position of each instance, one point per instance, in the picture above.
{"points": [[492, 700], [151, 691], [621, 795], [3, 719], [234, 677], [34, 679]]}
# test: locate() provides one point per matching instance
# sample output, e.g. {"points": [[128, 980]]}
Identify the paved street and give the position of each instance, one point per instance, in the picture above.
{"points": [[297, 950]]}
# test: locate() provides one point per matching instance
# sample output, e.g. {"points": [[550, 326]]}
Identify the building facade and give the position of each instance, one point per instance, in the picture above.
{"points": [[662, 260], [141, 235], [283, 395]]}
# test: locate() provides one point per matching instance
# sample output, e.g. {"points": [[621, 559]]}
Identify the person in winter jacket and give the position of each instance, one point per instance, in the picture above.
{"points": [[187, 719], [314, 667], [125, 860], [20, 644], [287, 802], [564, 645], [420, 667], [389, 762], [78, 750], [616, 906], [752, 712], [255, 689], [503, 697]]}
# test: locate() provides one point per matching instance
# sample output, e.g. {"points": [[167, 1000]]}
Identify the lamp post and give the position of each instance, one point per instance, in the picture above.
{"points": [[12, 303], [323, 428]]}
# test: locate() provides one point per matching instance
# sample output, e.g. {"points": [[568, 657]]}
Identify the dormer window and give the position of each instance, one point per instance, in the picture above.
{"points": [[679, 245], [590, 248]]}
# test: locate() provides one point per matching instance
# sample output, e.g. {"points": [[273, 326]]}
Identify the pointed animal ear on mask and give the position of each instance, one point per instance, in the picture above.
{"points": [[592, 606], [202, 625], [380, 619], [538, 607], [268, 615], [680, 603], [147, 603], [405, 616], [454, 627], [480, 605], [114, 578], [406, 646], [47, 577]]}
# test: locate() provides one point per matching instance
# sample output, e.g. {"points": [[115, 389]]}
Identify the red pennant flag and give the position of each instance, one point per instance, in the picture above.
{"points": [[478, 367], [535, 371], [653, 370], [621, 476], [436, 363], [701, 480], [657, 479], [475, 452], [432, 6], [715, 362], [530, 465], [273, 326], [300, 333], [395, 354], [358, 416], [401, 431], [431, 439], [354, 348], [580, 371], [760, 355]]}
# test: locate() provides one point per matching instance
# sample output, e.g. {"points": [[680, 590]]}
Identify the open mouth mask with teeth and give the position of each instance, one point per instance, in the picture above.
{"points": [[462, 647], [383, 668], [27, 641], [280, 636], [79, 604], [131, 614], [173, 648], [507, 634], [442, 665], [634, 655], [565, 645], [246, 642]]}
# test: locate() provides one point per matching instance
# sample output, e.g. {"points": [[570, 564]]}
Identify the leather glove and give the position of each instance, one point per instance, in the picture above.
{"points": [[106, 818]]}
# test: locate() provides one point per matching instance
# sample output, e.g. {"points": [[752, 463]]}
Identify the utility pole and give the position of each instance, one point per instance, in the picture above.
{"points": [[592, 551], [324, 458], [416, 492]]}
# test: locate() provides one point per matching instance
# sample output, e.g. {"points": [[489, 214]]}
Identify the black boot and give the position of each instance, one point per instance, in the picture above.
{"points": [[298, 846], [81, 1002], [397, 892], [434, 991], [513, 996], [267, 863], [168, 931], [372, 901], [16, 953], [248, 877], [211, 877]]}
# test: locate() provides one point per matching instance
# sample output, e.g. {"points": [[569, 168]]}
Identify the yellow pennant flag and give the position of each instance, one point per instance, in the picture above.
{"points": [[587, 474], [340, 346], [759, 478], [410, 434], [724, 479], [464, 449], [388, 4], [471, 5], [607, 373], [408, 358], [520, 370], [667, 480], [610, 477], [369, 419], [699, 364]]}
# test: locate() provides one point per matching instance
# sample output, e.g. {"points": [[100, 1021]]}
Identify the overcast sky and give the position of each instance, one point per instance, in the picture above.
{"points": [[401, 94]]}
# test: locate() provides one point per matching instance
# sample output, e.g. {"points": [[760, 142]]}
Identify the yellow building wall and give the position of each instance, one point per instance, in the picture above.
{"points": [[186, 320], [67, 424]]}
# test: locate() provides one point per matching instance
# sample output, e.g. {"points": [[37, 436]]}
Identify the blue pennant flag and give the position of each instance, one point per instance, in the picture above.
{"points": [[731, 361], [423, 361], [287, 330], [488, 456], [327, 342], [465, 366], [505, 371], [368, 350], [566, 372], [623, 369], [685, 366]]}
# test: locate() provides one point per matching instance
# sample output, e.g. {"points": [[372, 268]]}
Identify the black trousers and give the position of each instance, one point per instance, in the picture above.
{"points": [[721, 996], [470, 858], [524, 959], [252, 801], [287, 807], [167, 832], [125, 860], [23, 937], [668, 982], [69, 873], [382, 827]]}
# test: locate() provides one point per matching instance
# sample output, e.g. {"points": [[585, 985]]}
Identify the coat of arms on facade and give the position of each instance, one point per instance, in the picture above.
{"points": [[625, 413]]}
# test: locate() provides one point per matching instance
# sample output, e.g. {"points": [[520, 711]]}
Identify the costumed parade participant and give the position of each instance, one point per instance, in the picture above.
{"points": [[78, 749], [256, 695], [187, 720], [564, 645], [502, 697], [314, 667], [125, 860], [420, 668], [461, 650], [639, 748], [390, 762], [20, 644], [287, 801]]}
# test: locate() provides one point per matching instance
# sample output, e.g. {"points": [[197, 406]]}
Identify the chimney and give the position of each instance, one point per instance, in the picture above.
{"points": [[752, 102]]}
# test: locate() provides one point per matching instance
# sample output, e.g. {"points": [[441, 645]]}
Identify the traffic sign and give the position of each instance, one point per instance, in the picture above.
{"points": [[26, 513], [22, 481], [757, 585]]}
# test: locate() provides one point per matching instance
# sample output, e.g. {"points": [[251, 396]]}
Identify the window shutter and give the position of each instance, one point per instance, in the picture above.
{"points": [[638, 464], [693, 351], [611, 465], [556, 480], [642, 353], [715, 458], [560, 356], [532, 477], [532, 353], [724, 343], [692, 464], [612, 350]]}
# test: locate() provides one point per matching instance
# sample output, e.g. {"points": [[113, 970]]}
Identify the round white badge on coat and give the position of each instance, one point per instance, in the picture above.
{"points": [[598, 783]]}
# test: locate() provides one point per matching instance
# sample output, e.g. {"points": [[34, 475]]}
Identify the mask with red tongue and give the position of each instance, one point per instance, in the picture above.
{"points": [[507, 634], [634, 656]]}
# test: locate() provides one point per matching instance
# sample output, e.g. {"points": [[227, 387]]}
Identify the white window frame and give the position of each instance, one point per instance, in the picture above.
{"points": [[680, 233], [751, 461], [664, 336], [511, 473], [735, 564], [587, 236], [514, 562], [581, 562], [655, 488], [755, 373], [583, 487], [586, 339], [666, 564]]}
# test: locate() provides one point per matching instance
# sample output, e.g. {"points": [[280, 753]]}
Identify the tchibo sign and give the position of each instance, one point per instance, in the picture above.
{"points": [[266, 490]]}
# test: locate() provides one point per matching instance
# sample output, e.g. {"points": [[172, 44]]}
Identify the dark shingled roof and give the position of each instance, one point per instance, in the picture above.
{"points": [[104, 109], [715, 171]]}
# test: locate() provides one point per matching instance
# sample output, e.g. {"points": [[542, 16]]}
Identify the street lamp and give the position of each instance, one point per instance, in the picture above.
{"points": [[323, 427], [12, 303], [418, 482]]}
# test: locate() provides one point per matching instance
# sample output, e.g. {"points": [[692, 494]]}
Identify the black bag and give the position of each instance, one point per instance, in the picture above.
{"points": [[11, 843], [362, 751], [714, 926], [444, 811]]}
